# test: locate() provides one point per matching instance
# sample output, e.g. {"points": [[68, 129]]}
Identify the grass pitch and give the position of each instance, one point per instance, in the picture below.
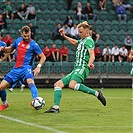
{"points": [[80, 113]]}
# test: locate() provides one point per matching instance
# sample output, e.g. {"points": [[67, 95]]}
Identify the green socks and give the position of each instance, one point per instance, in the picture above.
{"points": [[85, 89], [57, 95], [79, 87]]}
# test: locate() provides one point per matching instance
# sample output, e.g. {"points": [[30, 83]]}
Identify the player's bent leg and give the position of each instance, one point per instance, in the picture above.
{"points": [[85, 89], [32, 87], [4, 84], [72, 84], [57, 97]]}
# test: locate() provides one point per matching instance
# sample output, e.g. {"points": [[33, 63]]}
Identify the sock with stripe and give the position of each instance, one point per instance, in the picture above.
{"points": [[57, 96], [85, 89]]}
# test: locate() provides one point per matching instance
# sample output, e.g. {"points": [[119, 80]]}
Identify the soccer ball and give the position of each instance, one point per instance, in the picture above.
{"points": [[38, 103]]}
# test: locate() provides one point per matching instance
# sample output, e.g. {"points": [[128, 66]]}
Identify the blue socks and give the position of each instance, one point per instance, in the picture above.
{"points": [[34, 90], [3, 95], [19, 82]]}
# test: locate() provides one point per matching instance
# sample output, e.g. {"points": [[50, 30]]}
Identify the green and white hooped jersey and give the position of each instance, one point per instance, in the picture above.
{"points": [[82, 54]]}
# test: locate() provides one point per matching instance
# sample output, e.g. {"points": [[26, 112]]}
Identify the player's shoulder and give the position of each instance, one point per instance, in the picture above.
{"points": [[89, 40], [19, 39], [33, 42]]}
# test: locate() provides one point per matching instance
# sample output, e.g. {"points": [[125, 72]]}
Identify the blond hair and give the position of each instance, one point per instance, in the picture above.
{"points": [[25, 29], [84, 24]]}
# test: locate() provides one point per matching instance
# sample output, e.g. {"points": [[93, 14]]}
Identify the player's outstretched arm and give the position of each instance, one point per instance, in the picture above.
{"points": [[69, 39], [92, 58], [6, 49], [38, 68]]}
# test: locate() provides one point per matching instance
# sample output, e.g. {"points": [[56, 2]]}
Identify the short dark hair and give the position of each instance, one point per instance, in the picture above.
{"points": [[25, 29]]}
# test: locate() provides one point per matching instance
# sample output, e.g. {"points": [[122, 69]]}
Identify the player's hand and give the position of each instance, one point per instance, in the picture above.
{"points": [[91, 66], [1, 48], [36, 71], [61, 32], [130, 56]]}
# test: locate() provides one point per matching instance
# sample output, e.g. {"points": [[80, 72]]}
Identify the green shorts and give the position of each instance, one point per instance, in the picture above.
{"points": [[78, 74], [131, 73]]}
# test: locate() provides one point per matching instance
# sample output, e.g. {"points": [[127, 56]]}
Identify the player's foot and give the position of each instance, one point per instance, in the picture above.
{"points": [[11, 89], [22, 87], [31, 104], [101, 97], [52, 110], [2, 107]]}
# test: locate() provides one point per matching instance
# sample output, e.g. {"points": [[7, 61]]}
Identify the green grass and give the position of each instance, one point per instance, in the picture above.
{"points": [[80, 113]]}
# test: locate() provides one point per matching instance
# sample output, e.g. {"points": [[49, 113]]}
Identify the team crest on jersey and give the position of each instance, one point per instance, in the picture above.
{"points": [[28, 46]]}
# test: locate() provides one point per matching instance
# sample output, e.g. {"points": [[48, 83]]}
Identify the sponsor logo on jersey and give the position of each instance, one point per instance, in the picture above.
{"points": [[28, 46]]}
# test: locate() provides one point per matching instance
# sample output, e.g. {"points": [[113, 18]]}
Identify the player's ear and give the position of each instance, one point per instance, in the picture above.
{"points": [[30, 33]]}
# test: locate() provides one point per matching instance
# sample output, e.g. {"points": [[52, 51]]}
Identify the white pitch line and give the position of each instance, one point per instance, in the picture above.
{"points": [[32, 124], [103, 127]]}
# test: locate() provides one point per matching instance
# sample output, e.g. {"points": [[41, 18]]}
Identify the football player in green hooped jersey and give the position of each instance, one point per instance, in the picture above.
{"points": [[84, 62], [131, 57]]}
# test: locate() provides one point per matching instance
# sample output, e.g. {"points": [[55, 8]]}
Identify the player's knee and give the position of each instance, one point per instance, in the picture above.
{"points": [[59, 84], [71, 86], [55, 84], [29, 81], [1, 87]]}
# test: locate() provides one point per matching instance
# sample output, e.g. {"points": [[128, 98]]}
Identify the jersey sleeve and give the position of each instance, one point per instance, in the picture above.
{"points": [[14, 45], [3, 44], [89, 44], [37, 49], [79, 41]]}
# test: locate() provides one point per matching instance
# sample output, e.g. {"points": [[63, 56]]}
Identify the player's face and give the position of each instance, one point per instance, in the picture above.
{"points": [[26, 36], [83, 33]]}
